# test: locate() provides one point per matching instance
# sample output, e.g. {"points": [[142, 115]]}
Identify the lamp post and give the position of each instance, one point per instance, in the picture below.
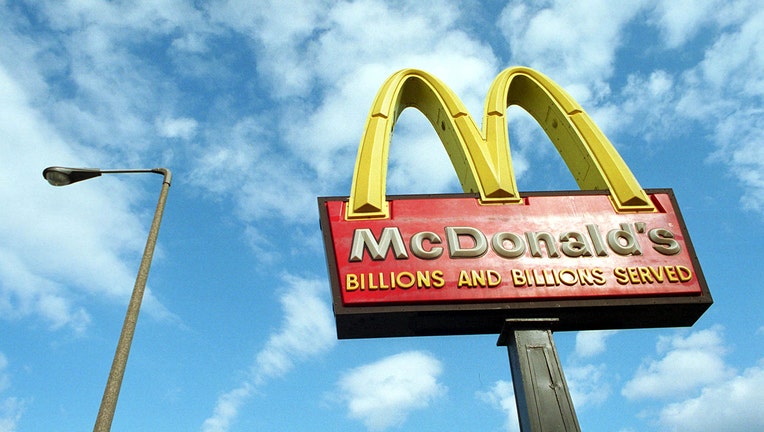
{"points": [[61, 176]]}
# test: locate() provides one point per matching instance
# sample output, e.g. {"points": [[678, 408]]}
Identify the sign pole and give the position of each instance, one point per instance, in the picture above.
{"points": [[541, 393]]}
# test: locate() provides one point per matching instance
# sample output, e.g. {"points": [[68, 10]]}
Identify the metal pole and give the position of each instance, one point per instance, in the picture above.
{"points": [[113, 384], [541, 393]]}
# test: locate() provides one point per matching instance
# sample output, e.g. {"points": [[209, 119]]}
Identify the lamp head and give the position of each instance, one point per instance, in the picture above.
{"points": [[62, 176]]}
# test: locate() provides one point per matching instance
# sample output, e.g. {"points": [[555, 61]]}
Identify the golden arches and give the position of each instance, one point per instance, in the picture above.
{"points": [[481, 158]]}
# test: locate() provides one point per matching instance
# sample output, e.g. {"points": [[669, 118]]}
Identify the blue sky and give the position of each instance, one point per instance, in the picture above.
{"points": [[258, 108]]}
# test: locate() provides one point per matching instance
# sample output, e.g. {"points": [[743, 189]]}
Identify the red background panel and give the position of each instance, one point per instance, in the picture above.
{"points": [[554, 214]]}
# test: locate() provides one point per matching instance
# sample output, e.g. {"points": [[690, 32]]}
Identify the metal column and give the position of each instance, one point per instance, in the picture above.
{"points": [[541, 393]]}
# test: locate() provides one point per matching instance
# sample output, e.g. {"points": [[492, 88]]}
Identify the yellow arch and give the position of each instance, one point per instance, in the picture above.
{"points": [[481, 158]]}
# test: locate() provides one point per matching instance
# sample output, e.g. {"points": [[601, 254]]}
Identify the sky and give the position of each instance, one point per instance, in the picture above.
{"points": [[258, 107]]}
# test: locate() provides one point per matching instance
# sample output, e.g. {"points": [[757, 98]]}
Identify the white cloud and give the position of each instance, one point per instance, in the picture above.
{"points": [[682, 20], [502, 397], [591, 343], [576, 43], [227, 408], [183, 127], [276, 29], [340, 53], [361, 44], [4, 379], [648, 108], [384, 393], [261, 178], [418, 161], [706, 393], [733, 405], [587, 384], [573, 42], [727, 84], [95, 83], [687, 364], [11, 408], [306, 318]]}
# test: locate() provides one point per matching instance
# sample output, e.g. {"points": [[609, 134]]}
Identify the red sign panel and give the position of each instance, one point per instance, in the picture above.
{"points": [[456, 250], [451, 250]]}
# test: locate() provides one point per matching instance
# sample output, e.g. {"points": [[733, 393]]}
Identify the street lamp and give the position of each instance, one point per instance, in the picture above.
{"points": [[61, 176]]}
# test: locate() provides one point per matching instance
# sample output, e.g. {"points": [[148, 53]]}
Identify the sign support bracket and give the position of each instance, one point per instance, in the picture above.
{"points": [[541, 393]]}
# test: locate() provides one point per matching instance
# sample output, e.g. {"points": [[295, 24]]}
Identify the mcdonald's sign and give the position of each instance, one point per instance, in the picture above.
{"points": [[610, 255]]}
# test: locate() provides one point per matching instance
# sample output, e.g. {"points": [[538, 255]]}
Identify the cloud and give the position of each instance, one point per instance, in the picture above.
{"points": [[687, 364], [4, 378], [502, 397], [184, 128], [682, 20], [276, 29], [574, 43], [306, 318], [591, 343], [732, 405], [266, 183], [90, 74], [725, 84], [11, 408], [227, 408], [728, 85], [384, 393], [320, 70], [588, 384], [707, 393]]}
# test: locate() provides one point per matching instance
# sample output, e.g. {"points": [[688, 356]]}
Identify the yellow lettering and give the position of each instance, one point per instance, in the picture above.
{"points": [[685, 274], [671, 274], [549, 279], [599, 276], [437, 279], [372, 286], [351, 282], [403, 283], [464, 279], [644, 275], [538, 279], [585, 276], [423, 279], [657, 273], [518, 278], [633, 274], [568, 277], [494, 278], [382, 284], [478, 278], [620, 275]]}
